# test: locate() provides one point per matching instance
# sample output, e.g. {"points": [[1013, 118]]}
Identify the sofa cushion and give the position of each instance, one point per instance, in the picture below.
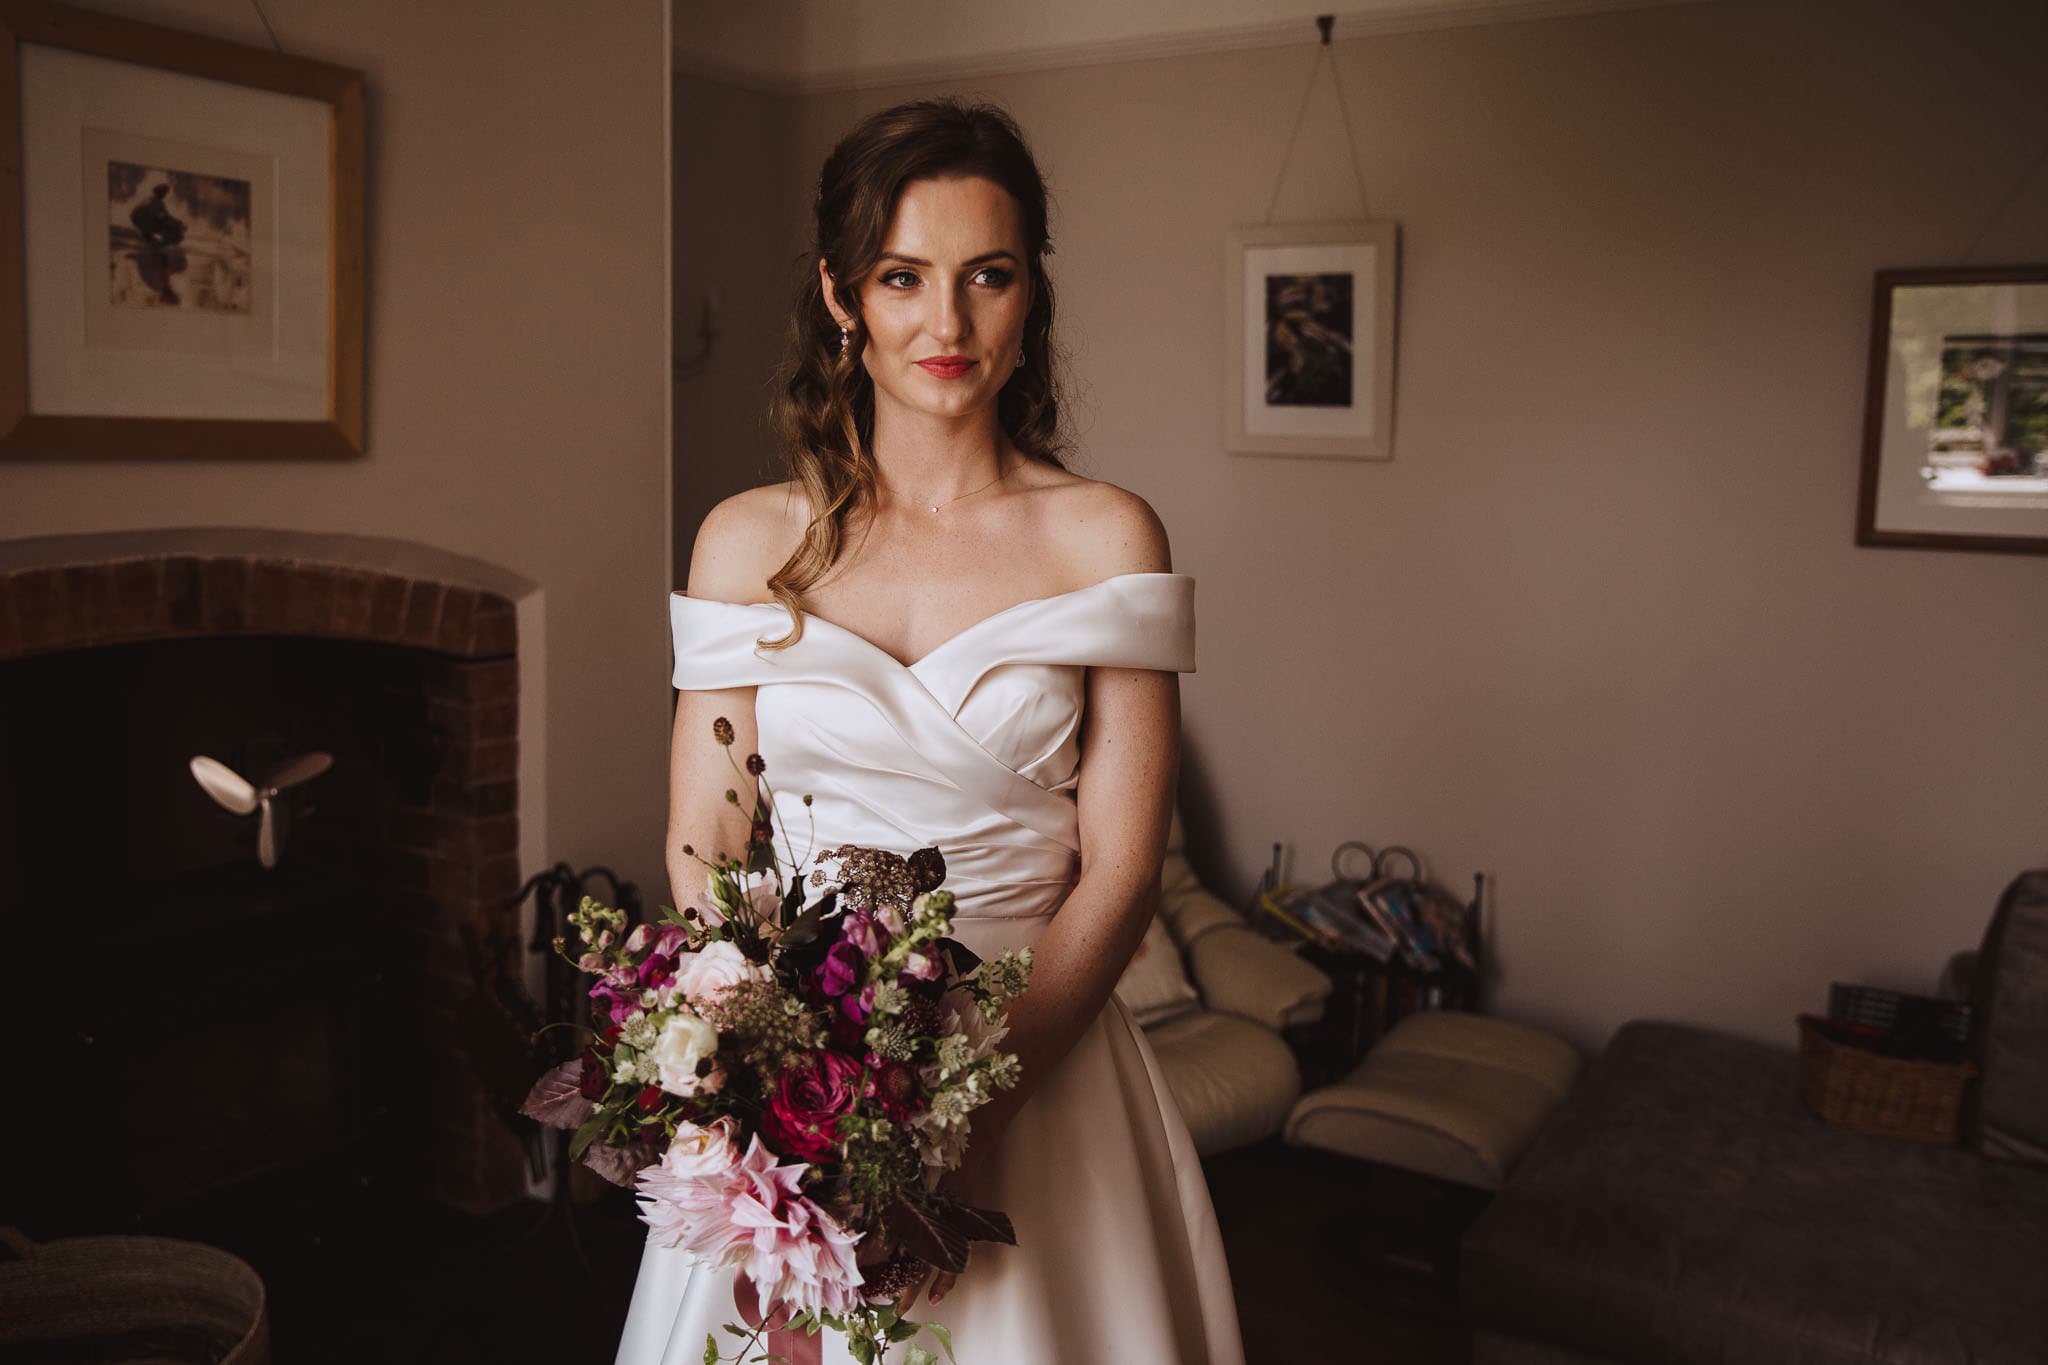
{"points": [[1232, 1080], [1683, 1207]]}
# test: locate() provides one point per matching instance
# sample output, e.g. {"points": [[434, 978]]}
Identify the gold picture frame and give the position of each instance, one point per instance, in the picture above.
{"points": [[181, 244]]}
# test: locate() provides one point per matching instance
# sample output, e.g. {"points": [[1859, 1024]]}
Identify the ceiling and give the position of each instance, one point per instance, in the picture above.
{"points": [[841, 44]]}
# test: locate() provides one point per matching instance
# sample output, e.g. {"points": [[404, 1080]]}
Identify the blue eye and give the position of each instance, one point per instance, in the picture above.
{"points": [[893, 274], [998, 277]]}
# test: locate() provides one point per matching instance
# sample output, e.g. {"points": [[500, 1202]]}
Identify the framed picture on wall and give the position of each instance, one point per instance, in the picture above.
{"points": [[1955, 433], [181, 248], [1309, 355]]}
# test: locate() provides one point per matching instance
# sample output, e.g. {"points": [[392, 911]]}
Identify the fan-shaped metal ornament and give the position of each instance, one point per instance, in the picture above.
{"points": [[236, 793]]}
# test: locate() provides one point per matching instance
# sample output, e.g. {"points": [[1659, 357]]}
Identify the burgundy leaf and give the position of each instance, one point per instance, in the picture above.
{"points": [[972, 1223], [926, 1238], [556, 1098], [620, 1164], [927, 868]]}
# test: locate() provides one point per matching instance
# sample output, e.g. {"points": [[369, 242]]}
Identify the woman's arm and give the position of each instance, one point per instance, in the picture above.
{"points": [[725, 566], [1129, 769]]}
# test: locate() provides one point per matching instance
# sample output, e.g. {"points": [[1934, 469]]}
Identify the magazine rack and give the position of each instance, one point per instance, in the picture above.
{"points": [[1371, 994]]}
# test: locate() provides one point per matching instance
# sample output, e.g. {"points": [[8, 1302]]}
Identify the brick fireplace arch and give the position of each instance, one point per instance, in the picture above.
{"points": [[454, 845]]}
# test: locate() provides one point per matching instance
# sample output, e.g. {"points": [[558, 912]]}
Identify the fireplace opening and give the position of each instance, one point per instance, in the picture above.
{"points": [[216, 1038]]}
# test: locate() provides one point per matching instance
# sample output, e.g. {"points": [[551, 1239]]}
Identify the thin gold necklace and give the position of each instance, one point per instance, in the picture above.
{"points": [[972, 491]]}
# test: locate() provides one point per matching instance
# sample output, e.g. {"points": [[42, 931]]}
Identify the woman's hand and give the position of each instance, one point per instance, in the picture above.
{"points": [[970, 1183]]}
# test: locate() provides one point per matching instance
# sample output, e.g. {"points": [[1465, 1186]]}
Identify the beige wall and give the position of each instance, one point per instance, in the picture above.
{"points": [[739, 229], [517, 338], [1599, 629]]}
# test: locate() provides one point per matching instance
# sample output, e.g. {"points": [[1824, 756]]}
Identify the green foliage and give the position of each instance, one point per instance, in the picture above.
{"points": [[587, 1134]]}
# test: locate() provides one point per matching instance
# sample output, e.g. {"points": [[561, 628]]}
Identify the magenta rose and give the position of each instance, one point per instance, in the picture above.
{"points": [[897, 1086], [803, 1111]]}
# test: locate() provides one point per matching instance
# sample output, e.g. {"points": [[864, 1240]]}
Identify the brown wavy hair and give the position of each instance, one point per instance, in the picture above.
{"points": [[824, 409]]}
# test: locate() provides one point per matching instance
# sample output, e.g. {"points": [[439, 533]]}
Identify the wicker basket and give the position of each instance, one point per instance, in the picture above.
{"points": [[1865, 1092]]}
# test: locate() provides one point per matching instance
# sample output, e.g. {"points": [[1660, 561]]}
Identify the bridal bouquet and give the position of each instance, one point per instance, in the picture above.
{"points": [[786, 1084]]}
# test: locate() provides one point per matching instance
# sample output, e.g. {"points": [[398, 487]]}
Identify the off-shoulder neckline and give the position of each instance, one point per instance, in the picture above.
{"points": [[957, 636]]}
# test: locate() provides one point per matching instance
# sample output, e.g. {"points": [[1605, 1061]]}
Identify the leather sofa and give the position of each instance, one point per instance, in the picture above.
{"points": [[1683, 1207], [1213, 996]]}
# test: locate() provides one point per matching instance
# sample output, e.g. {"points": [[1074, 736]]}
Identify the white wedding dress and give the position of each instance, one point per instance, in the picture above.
{"points": [[975, 749]]}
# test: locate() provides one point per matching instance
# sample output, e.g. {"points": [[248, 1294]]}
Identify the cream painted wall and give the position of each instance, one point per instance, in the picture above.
{"points": [[518, 324], [1599, 629]]}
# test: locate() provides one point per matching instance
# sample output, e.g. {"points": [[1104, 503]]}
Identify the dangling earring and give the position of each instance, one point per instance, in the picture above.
{"points": [[1020, 357], [842, 340]]}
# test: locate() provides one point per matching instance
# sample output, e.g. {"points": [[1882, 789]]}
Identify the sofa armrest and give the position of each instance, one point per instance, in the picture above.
{"points": [[1240, 972], [1232, 966]]}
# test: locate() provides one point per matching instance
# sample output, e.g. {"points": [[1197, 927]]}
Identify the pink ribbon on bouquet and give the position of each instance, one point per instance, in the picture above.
{"points": [[800, 1347]]}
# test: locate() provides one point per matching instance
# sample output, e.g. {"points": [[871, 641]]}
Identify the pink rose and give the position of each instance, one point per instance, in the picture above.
{"points": [[802, 1117], [701, 977]]}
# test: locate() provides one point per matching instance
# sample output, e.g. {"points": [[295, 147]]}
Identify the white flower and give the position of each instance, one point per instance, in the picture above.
{"points": [[955, 1052], [638, 1032], [686, 1041]]}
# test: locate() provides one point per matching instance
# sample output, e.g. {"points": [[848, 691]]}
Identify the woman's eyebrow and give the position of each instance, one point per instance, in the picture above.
{"points": [[984, 256]]}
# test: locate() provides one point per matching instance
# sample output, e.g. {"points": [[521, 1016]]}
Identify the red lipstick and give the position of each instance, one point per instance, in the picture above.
{"points": [[947, 366]]}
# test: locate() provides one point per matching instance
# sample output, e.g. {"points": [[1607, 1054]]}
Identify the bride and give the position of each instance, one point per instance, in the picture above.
{"points": [[939, 635]]}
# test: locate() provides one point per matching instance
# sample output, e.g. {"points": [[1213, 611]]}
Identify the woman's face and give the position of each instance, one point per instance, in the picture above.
{"points": [[951, 286]]}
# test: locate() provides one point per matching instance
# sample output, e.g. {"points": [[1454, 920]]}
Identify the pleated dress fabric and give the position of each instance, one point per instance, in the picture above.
{"points": [[975, 748]]}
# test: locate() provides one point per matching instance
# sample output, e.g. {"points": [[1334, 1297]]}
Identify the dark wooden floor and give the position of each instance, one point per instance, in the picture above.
{"points": [[1328, 1257], [1334, 1261]]}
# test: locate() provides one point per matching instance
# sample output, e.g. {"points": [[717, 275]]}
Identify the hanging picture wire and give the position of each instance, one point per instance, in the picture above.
{"points": [[1325, 56], [1309, 308]]}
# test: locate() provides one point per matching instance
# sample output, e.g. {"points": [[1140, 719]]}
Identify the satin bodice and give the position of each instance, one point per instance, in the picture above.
{"points": [[974, 748]]}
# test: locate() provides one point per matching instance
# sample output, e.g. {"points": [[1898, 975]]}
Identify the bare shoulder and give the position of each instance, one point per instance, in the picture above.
{"points": [[743, 539], [1106, 529]]}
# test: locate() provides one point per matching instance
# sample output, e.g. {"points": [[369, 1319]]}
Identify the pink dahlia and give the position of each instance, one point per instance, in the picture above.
{"points": [[800, 1255], [686, 1196]]}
